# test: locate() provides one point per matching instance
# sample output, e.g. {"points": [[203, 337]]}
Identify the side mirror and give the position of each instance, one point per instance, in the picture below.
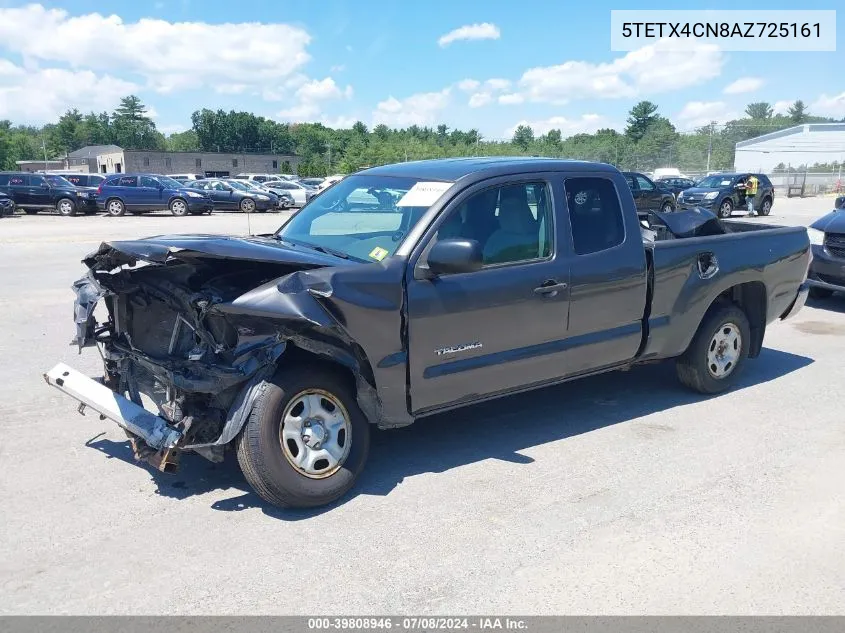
{"points": [[454, 255]]}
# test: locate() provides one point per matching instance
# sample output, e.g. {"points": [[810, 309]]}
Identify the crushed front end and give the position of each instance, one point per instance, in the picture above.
{"points": [[181, 374]]}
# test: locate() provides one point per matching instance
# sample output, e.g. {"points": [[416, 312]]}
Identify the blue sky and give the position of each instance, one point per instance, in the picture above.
{"points": [[548, 64]]}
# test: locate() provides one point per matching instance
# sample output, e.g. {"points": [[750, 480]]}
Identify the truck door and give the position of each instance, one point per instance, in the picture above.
{"points": [[472, 335], [608, 274], [38, 191]]}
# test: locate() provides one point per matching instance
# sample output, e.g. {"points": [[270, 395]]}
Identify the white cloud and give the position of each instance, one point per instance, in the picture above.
{"points": [[780, 107], [480, 99], [42, 95], [743, 85], [696, 114], [513, 98], [468, 85], [481, 31], [339, 122], [586, 123], [497, 84], [322, 90], [418, 109], [339, 68], [833, 106], [169, 56], [173, 128], [650, 69], [300, 113]]}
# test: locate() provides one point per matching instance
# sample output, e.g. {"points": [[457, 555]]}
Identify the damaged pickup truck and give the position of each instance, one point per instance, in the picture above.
{"points": [[407, 290]]}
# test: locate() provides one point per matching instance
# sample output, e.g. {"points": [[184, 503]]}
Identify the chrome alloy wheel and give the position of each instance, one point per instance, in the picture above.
{"points": [[315, 433], [724, 350]]}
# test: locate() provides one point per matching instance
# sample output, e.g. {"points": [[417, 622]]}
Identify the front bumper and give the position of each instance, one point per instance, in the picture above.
{"points": [[155, 431], [199, 204], [710, 205], [826, 271]]}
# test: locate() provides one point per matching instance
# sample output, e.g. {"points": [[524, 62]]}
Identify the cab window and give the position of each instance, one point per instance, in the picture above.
{"points": [[512, 223], [595, 214]]}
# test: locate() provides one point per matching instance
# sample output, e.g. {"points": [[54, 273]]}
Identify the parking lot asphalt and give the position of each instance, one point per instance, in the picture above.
{"points": [[619, 494]]}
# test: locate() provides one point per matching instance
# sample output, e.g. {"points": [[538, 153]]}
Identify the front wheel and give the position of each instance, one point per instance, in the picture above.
{"points": [[66, 207], [726, 209], [179, 208], [247, 205], [306, 440], [718, 350], [667, 207]]}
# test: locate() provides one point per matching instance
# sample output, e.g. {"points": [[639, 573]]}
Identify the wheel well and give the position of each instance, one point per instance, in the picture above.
{"points": [[115, 198], [751, 299], [175, 198]]}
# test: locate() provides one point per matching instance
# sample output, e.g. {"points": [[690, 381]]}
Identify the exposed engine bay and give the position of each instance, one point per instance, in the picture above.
{"points": [[192, 336]]}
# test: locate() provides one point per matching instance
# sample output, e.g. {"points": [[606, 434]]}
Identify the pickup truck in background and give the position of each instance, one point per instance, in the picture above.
{"points": [[407, 290]]}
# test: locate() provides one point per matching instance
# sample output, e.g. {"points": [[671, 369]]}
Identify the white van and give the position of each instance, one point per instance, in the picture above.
{"points": [[256, 177], [667, 172]]}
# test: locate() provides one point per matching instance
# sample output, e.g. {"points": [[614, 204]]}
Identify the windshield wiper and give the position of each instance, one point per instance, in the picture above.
{"points": [[328, 251]]}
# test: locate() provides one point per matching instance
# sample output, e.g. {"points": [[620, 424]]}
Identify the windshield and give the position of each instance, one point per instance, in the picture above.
{"points": [[169, 182], [59, 181], [238, 184], [363, 217], [715, 182]]}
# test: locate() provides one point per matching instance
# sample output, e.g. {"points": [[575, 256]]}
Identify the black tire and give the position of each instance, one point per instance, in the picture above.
{"points": [[247, 205], [692, 367], [179, 207], [766, 206], [260, 453], [820, 293], [667, 207], [726, 208], [115, 207], [66, 207]]}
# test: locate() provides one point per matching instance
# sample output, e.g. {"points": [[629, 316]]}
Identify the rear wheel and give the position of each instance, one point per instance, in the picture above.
{"points": [[766, 207], [726, 209], [66, 207], [115, 208], [718, 350], [306, 440], [179, 207]]}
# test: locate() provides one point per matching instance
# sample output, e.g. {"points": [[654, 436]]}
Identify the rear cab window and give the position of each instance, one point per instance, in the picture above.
{"points": [[595, 214]]}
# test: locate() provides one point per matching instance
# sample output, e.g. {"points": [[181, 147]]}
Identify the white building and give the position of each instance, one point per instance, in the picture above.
{"points": [[805, 144]]}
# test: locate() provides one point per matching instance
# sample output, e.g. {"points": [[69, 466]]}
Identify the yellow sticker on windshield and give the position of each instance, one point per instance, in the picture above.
{"points": [[378, 253]]}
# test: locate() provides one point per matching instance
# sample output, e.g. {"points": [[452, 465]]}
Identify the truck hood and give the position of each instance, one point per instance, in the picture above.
{"points": [[163, 248], [833, 222]]}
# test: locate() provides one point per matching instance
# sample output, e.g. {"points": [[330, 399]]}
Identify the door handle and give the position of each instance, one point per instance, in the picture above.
{"points": [[550, 288]]}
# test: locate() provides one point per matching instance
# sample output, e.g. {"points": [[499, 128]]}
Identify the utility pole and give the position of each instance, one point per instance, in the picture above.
{"points": [[329, 145], [44, 148], [710, 145]]}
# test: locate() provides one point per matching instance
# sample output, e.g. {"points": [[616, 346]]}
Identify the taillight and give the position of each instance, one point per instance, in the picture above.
{"points": [[100, 189]]}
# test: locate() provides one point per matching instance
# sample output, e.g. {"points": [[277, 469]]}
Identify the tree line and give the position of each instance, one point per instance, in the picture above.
{"points": [[649, 140]]}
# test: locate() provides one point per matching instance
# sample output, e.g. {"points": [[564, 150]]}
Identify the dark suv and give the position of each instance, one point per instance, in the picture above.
{"points": [[88, 184], [724, 193], [138, 193], [649, 195], [35, 192]]}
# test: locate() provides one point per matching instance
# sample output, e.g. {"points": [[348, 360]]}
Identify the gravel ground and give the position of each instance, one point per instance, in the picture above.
{"points": [[621, 494]]}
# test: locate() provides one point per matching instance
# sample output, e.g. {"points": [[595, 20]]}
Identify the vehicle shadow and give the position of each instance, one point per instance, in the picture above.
{"points": [[492, 430], [834, 303]]}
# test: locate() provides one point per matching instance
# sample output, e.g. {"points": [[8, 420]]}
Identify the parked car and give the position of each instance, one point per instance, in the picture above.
{"points": [[839, 203], [186, 177], [7, 205], [289, 347], [666, 172], [312, 182], [301, 193], [675, 184], [139, 193], [827, 269], [36, 192], [227, 196], [255, 177], [724, 193], [648, 195], [87, 183], [256, 188], [329, 181]]}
